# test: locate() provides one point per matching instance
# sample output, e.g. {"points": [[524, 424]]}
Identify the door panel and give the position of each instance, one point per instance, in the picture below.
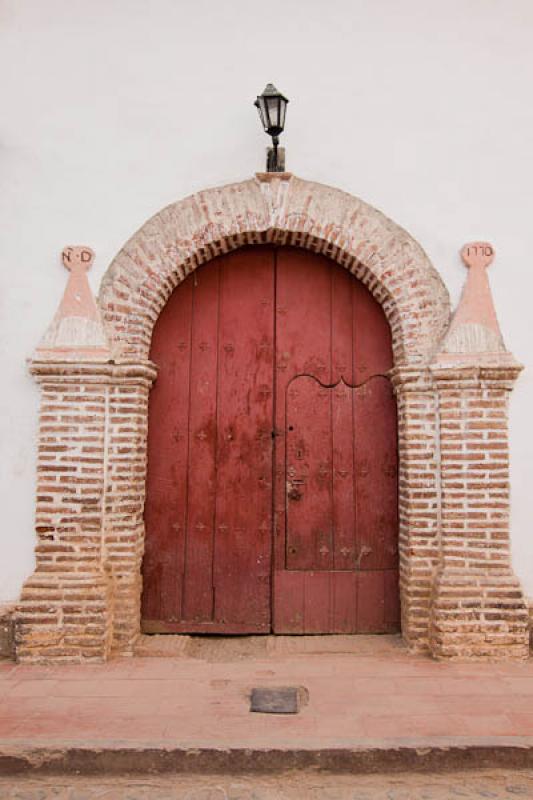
{"points": [[341, 475], [312, 601], [272, 457], [200, 472], [336, 464], [208, 511]]}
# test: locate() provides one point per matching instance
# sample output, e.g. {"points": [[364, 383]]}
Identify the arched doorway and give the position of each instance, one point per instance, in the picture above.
{"points": [[90, 551], [272, 452]]}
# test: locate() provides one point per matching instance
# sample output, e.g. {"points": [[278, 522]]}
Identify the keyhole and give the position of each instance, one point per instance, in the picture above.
{"points": [[291, 428]]}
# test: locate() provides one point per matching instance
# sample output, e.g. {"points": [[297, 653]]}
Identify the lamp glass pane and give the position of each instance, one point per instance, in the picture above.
{"points": [[282, 112], [261, 108], [273, 111]]}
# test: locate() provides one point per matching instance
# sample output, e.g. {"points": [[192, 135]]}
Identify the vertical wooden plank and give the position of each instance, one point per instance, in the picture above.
{"points": [[242, 563], [318, 602], [370, 602], [372, 339], [342, 419], [392, 599], [343, 437], [342, 300], [344, 600], [282, 377], [376, 496], [288, 601], [166, 483], [376, 475], [198, 600], [386, 466]]}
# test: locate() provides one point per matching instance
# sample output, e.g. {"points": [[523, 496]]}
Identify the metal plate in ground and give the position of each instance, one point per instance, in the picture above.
{"points": [[282, 700]]}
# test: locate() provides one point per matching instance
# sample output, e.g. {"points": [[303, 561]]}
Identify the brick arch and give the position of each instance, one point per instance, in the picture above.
{"points": [[280, 210]]}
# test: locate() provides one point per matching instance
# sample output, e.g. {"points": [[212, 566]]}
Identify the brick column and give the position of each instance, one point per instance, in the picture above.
{"points": [[64, 611], [479, 609], [418, 499], [125, 493], [84, 596]]}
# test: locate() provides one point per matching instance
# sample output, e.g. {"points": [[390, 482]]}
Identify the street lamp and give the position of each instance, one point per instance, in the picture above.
{"points": [[272, 107]]}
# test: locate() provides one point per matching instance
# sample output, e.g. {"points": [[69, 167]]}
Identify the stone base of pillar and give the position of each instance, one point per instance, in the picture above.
{"points": [[64, 617], [414, 617], [479, 616], [127, 613]]}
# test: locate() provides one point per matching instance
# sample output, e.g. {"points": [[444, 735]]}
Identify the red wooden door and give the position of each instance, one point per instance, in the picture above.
{"points": [[208, 513], [271, 397], [336, 526]]}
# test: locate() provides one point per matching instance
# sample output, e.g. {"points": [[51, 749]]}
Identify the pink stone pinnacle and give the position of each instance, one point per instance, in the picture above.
{"points": [[477, 306], [474, 334], [76, 332]]}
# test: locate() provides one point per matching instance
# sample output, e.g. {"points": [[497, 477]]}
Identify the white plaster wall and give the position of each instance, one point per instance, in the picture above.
{"points": [[112, 109]]}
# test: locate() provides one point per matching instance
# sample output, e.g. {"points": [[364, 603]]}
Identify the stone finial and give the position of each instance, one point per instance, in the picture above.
{"points": [[474, 335], [477, 254], [76, 333], [77, 256]]}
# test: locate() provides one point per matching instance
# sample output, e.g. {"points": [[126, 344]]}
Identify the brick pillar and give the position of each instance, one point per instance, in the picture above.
{"points": [[418, 499], [83, 598], [479, 609], [82, 601], [64, 611], [124, 523]]}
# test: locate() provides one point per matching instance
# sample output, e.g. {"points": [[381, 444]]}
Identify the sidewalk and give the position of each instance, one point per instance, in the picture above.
{"points": [[367, 695]]}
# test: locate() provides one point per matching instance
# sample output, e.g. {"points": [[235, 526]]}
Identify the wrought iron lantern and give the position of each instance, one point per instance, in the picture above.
{"points": [[272, 107]]}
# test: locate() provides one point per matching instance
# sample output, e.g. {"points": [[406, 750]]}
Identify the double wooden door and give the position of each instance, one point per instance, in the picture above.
{"points": [[272, 453]]}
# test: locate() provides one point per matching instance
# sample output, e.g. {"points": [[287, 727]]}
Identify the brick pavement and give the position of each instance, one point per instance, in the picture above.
{"points": [[361, 689]]}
